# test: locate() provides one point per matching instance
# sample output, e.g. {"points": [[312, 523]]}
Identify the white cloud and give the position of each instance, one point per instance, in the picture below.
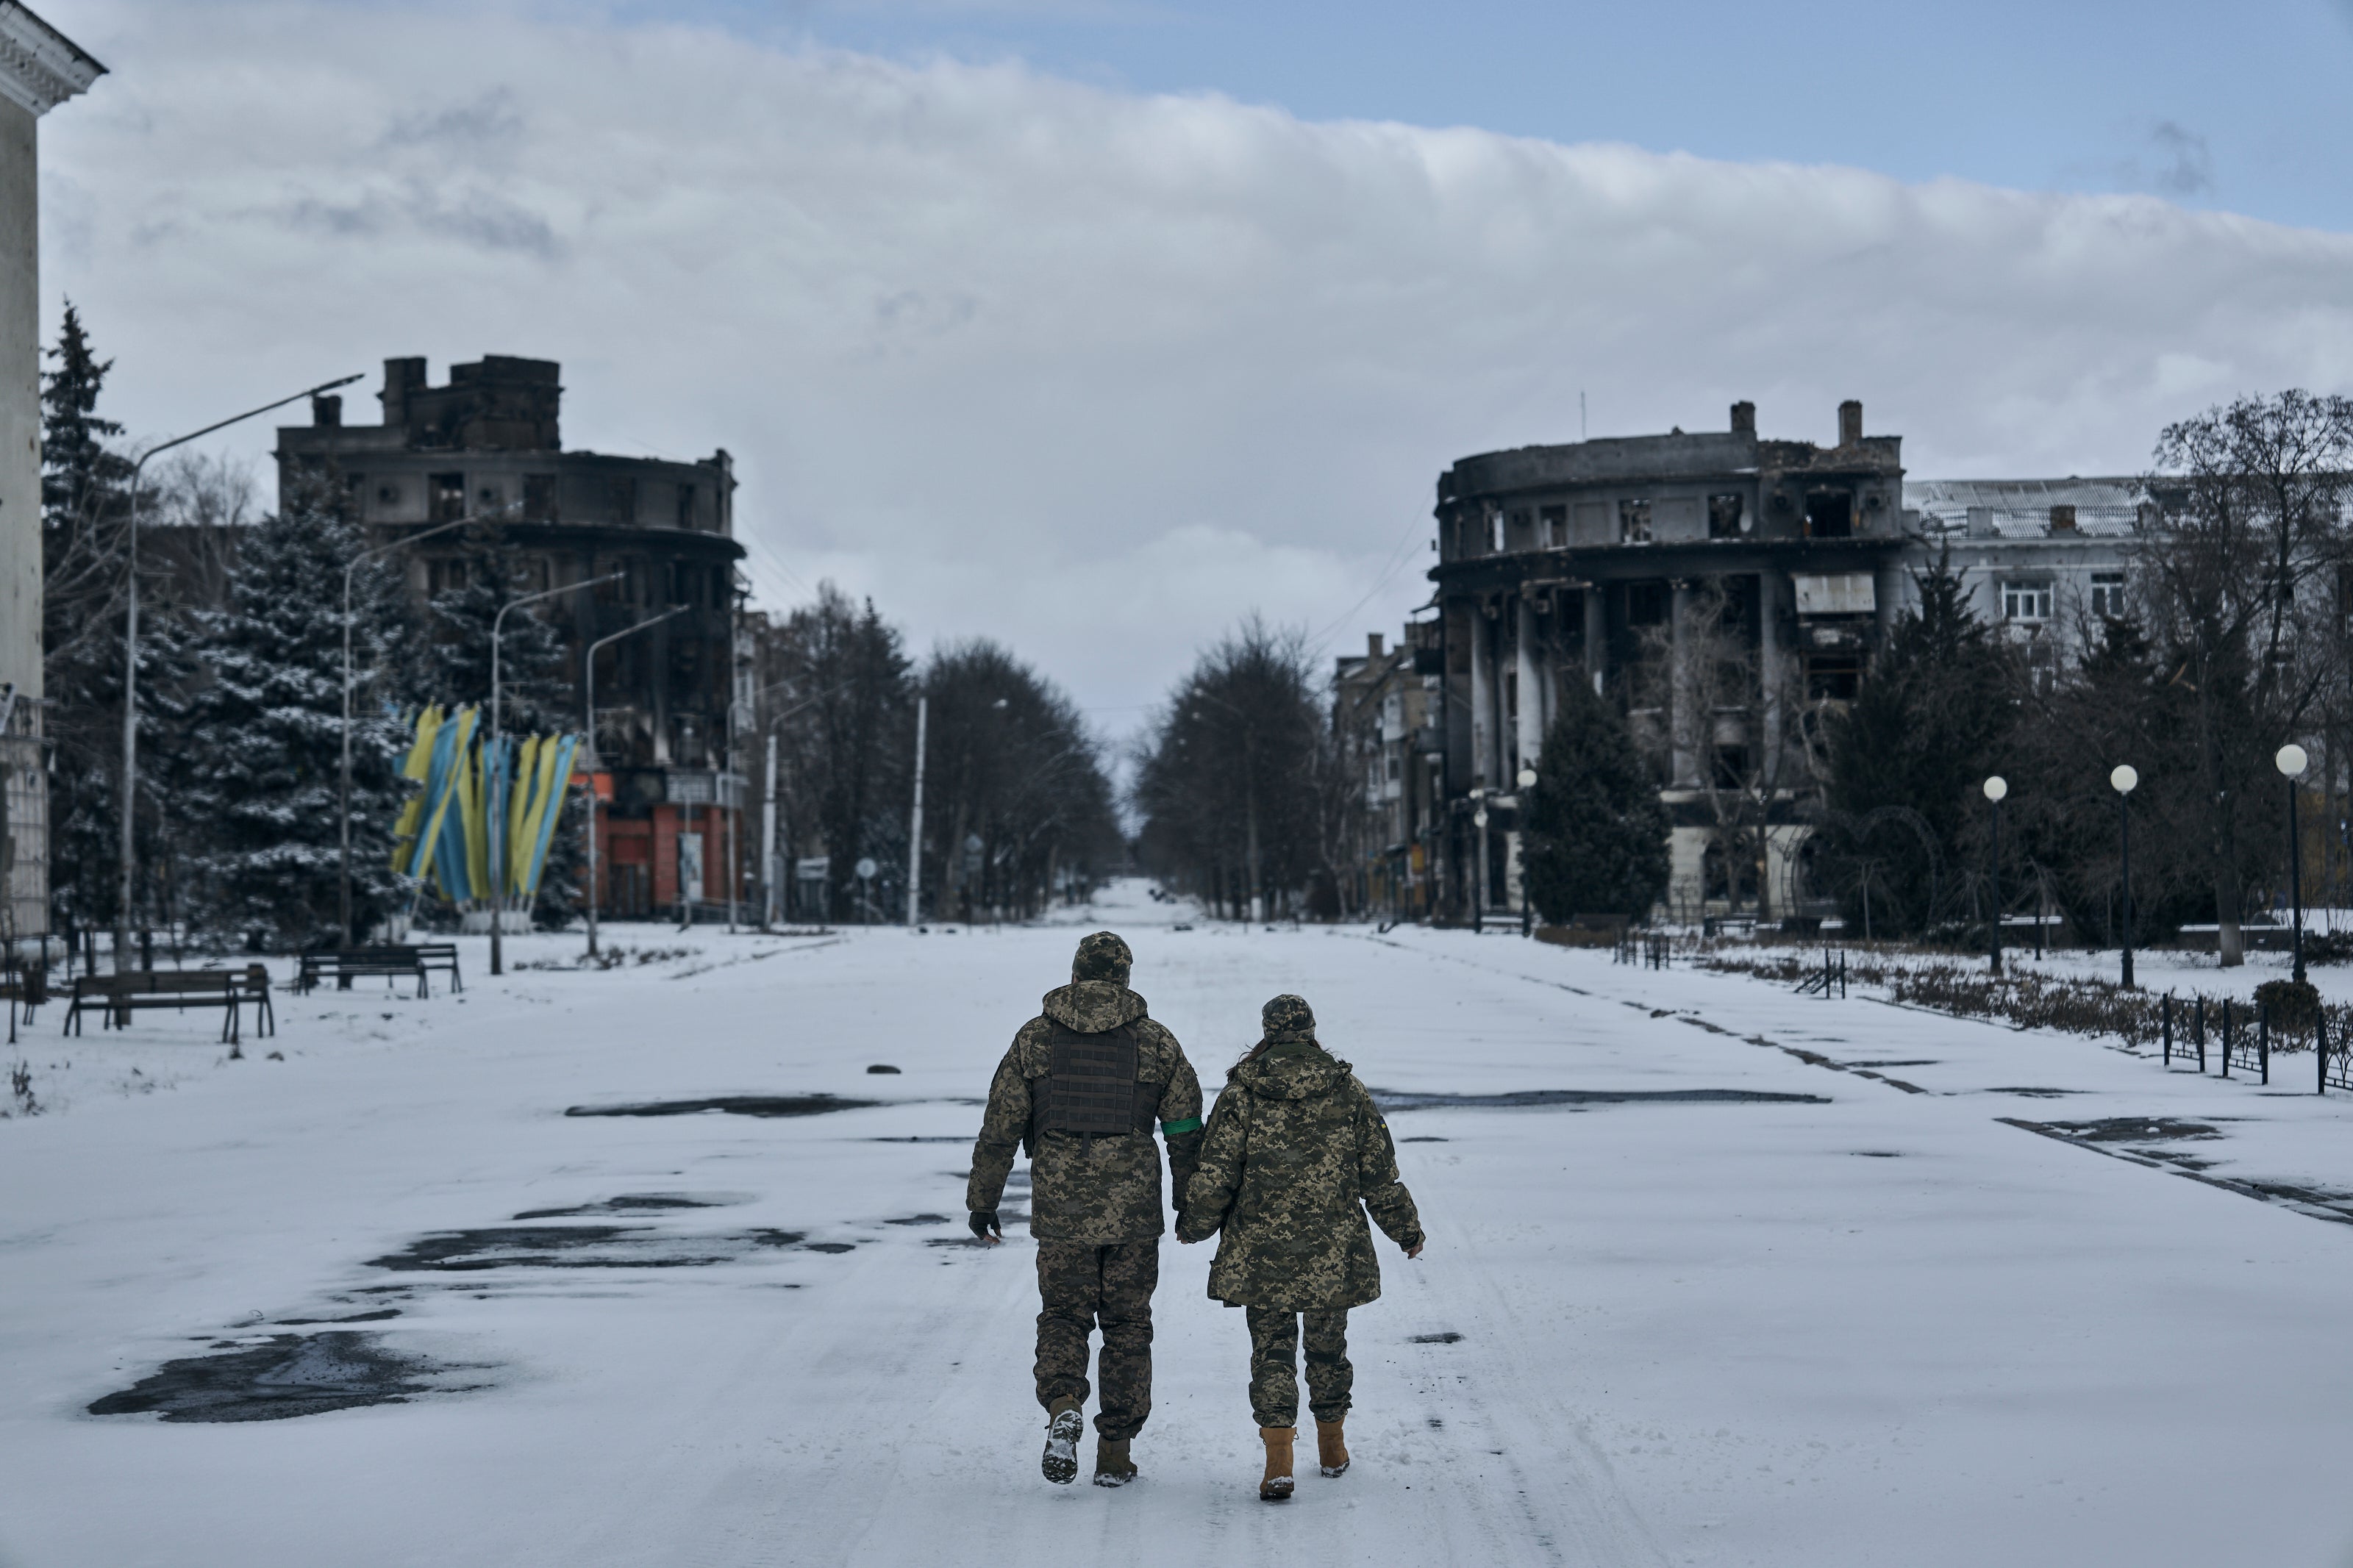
{"points": [[1090, 373]]}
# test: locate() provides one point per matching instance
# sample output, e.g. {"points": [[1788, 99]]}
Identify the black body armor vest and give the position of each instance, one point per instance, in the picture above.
{"points": [[1090, 1086]]}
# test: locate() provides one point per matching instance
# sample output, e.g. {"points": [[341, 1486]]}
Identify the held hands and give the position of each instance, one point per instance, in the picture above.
{"points": [[985, 1226]]}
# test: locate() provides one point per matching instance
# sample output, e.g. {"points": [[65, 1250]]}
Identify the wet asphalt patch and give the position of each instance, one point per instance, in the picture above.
{"points": [[1425, 1138], [2031, 1092], [581, 1247], [919, 1219], [1875, 1155], [1448, 1338], [289, 1376], [378, 1316], [631, 1203], [1391, 1099], [2114, 1135], [731, 1105]]}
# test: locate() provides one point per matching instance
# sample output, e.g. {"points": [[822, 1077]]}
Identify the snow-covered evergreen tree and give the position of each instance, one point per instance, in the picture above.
{"points": [[535, 689], [261, 768]]}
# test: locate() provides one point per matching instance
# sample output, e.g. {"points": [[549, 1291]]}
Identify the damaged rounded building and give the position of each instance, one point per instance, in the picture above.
{"points": [[1718, 587], [488, 445]]}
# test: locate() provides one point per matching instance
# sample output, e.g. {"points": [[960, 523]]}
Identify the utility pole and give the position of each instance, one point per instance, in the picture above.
{"points": [[768, 867], [915, 824]]}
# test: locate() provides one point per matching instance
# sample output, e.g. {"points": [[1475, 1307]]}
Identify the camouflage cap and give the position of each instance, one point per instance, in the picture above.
{"points": [[1101, 956], [1288, 1018]]}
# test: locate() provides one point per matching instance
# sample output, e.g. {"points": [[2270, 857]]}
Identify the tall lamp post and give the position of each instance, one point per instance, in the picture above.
{"points": [[345, 877], [2290, 760], [131, 650], [497, 811], [1526, 781], [1995, 788], [2123, 780], [590, 716]]}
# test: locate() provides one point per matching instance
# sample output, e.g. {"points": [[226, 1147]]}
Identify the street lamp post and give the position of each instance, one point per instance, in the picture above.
{"points": [[2290, 761], [497, 809], [1995, 788], [130, 651], [590, 686], [2123, 781], [344, 877], [1526, 781]]}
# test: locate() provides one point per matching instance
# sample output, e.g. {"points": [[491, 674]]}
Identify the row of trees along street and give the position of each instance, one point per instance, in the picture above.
{"points": [[1246, 801], [1018, 809], [239, 730]]}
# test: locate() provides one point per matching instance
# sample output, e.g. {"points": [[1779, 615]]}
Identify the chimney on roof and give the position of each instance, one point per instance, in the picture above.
{"points": [[1744, 418], [1372, 644], [1850, 422], [401, 377], [326, 410], [2063, 519]]}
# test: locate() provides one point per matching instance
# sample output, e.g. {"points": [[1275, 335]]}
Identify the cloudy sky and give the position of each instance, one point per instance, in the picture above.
{"points": [[1091, 325]]}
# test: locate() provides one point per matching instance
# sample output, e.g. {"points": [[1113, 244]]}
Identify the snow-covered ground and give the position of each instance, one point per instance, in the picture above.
{"points": [[1877, 1325]]}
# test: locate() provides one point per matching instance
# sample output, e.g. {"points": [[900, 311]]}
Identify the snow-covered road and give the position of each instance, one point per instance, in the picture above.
{"points": [[1876, 1324]]}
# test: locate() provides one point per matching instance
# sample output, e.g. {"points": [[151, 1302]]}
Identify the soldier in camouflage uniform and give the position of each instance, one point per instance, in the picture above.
{"points": [[1080, 1090], [1295, 1155]]}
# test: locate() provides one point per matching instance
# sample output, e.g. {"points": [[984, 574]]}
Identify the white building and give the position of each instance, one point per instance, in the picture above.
{"points": [[40, 68]]}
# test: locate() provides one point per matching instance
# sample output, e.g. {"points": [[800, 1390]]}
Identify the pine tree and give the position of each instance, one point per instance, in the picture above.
{"points": [[535, 689], [1596, 831], [85, 507], [262, 766], [1907, 757]]}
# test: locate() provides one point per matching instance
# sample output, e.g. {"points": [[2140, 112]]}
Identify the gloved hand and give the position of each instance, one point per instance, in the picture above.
{"points": [[985, 1225]]}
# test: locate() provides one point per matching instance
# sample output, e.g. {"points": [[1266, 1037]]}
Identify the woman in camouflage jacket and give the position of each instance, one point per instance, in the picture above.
{"points": [[1294, 1156]]}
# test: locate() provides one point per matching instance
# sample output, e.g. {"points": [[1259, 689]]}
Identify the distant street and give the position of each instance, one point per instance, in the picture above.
{"points": [[1869, 1323]]}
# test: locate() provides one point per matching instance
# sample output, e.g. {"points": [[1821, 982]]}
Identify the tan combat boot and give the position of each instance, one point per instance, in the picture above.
{"points": [[1113, 1467], [1065, 1424], [1275, 1487], [1331, 1452]]}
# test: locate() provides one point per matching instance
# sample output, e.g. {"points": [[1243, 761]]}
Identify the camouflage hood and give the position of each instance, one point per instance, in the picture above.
{"points": [[1292, 1070], [1092, 1007]]}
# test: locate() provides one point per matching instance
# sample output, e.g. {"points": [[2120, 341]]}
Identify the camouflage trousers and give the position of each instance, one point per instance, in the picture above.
{"points": [[1274, 1356], [1081, 1286]]}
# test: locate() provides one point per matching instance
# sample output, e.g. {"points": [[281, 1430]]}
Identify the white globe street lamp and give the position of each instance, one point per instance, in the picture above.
{"points": [[2123, 780], [2290, 760], [1995, 786]]}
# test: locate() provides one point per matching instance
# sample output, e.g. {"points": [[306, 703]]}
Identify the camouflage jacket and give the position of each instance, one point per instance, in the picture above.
{"points": [[1295, 1155], [1092, 1188]]}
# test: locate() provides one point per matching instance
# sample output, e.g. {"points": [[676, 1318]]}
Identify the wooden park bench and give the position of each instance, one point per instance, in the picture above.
{"points": [[347, 963], [116, 996]]}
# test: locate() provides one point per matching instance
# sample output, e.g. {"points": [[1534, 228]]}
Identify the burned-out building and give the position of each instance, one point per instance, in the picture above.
{"points": [[488, 445], [1724, 592]]}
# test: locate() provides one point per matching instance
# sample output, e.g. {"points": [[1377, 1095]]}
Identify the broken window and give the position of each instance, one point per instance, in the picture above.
{"points": [[1833, 677], [448, 491], [2026, 602], [625, 500], [1646, 604], [1554, 521], [539, 497], [1518, 530], [1830, 514], [1731, 767], [444, 576], [2108, 594], [1634, 522], [1727, 517], [686, 506]]}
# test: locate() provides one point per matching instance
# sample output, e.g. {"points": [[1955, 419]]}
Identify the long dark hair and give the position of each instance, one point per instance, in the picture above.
{"points": [[1247, 1057]]}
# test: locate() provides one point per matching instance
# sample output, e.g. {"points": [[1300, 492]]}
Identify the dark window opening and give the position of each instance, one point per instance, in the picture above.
{"points": [[1555, 523], [1830, 514], [1731, 767], [1726, 879], [686, 506], [1646, 604], [444, 576], [539, 497], [1634, 521], [625, 501], [449, 497], [1727, 517], [1833, 677]]}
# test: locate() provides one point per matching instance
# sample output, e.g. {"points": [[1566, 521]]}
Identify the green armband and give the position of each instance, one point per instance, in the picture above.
{"points": [[1170, 1129]]}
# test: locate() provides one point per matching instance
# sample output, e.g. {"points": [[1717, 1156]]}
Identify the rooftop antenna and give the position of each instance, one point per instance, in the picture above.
{"points": [[1580, 414]]}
